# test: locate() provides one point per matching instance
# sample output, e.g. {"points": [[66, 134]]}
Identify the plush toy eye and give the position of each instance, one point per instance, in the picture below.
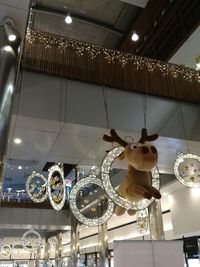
{"points": [[133, 146]]}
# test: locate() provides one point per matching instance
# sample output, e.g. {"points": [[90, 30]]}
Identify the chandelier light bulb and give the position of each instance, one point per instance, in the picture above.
{"points": [[68, 19], [135, 36]]}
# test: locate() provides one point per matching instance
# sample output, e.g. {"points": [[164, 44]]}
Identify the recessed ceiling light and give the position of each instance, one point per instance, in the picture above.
{"points": [[135, 36], [8, 48], [17, 141], [19, 167], [68, 19], [12, 37]]}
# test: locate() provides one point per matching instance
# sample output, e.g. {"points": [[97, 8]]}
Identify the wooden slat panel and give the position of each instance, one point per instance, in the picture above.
{"points": [[68, 63]]}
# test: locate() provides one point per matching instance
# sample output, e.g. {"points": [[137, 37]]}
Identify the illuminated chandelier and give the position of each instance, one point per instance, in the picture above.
{"points": [[90, 179], [110, 190], [142, 221], [6, 251], [31, 240], [56, 187], [36, 187], [39, 188], [52, 241], [187, 165], [187, 169]]}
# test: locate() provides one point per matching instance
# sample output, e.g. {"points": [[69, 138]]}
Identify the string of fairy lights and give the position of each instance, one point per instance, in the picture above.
{"points": [[63, 44]]}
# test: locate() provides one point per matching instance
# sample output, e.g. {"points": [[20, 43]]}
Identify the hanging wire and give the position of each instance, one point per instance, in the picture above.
{"points": [[105, 99], [144, 104], [183, 127], [61, 126], [18, 90]]}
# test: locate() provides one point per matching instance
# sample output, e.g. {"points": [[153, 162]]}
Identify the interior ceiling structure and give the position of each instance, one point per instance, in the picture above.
{"points": [[83, 146], [93, 21], [162, 26]]}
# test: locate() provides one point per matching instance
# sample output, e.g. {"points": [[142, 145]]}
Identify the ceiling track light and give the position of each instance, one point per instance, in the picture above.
{"points": [[11, 33], [68, 18], [135, 36]]}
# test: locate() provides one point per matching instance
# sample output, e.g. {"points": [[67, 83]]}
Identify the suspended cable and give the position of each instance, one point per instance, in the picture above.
{"points": [[105, 99], [144, 104]]}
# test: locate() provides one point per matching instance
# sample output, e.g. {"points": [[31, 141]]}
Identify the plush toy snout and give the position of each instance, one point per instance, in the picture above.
{"points": [[141, 157]]}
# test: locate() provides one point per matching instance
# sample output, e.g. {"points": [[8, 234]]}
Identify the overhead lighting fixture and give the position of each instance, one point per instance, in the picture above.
{"points": [[12, 37], [19, 167], [17, 141], [135, 36], [10, 31], [8, 48], [197, 63], [68, 19]]}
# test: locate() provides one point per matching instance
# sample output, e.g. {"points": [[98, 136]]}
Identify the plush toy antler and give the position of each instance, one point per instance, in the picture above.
{"points": [[141, 157], [115, 138], [146, 137]]}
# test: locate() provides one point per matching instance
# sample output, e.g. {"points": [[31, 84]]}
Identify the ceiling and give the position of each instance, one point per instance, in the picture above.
{"points": [[18, 10], [93, 21]]}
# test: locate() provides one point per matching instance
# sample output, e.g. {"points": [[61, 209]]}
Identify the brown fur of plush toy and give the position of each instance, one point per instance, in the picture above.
{"points": [[142, 157]]}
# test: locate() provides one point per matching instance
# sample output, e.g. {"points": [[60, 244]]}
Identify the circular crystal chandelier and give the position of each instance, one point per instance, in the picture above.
{"points": [[75, 210], [187, 169], [17, 248], [110, 190], [31, 240], [142, 221], [5, 251], [52, 241], [56, 187], [36, 187]]}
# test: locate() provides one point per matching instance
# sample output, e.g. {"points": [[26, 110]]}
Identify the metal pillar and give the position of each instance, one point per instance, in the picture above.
{"points": [[8, 60], [156, 221], [37, 257], [103, 245], [7, 77], [46, 252], [75, 236], [58, 259]]}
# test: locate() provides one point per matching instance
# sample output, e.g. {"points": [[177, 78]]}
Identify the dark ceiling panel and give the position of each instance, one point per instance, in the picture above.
{"points": [[103, 10], [66, 167], [163, 27], [102, 22]]}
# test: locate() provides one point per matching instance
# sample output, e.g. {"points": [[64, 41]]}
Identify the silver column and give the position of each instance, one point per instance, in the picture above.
{"points": [[75, 236], [58, 259], [156, 221], [7, 78], [46, 252], [103, 245]]}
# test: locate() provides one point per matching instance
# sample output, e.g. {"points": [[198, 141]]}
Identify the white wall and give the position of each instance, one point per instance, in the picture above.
{"points": [[76, 102]]}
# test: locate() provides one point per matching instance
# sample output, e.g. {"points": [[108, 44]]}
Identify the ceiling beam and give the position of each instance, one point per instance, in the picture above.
{"points": [[76, 17], [163, 26]]}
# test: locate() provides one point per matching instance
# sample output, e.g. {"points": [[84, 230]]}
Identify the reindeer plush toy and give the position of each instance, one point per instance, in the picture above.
{"points": [[142, 157]]}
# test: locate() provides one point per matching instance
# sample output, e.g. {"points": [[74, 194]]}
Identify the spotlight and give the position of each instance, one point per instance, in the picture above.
{"points": [[135, 36], [68, 19], [10, 31], [8, 48], [19, 167], [17, 141]]}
